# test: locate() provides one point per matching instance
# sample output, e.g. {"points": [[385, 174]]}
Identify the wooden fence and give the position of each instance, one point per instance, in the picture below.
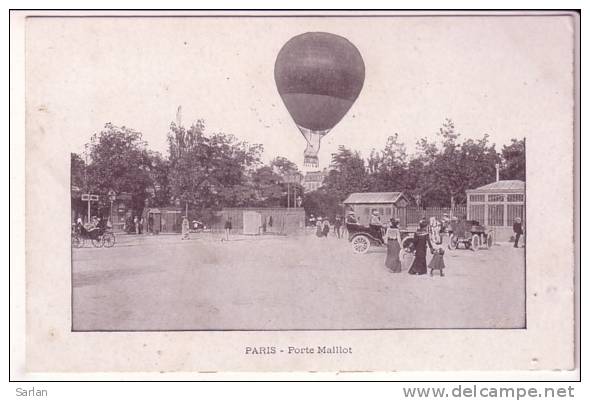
{"points": [[415, 214], [275, 220]]}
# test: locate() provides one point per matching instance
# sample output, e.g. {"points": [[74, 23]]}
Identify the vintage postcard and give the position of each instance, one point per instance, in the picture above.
{"points": [[293, 192]]}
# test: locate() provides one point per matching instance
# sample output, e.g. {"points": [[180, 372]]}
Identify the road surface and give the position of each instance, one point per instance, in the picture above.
{"points": [[287, 283]]}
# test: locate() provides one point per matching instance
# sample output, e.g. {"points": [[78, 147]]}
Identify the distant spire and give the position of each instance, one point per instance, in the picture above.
{"points": [[179, 116]]}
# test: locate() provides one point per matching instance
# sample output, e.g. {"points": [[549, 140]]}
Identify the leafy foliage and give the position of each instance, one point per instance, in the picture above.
{"points": [[437, 174], [513, 157], [209, 171], [119, 160], [77, 166]]}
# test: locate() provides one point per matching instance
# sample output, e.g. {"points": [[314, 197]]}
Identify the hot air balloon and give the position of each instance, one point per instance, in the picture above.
{"points": [[319, 75]]}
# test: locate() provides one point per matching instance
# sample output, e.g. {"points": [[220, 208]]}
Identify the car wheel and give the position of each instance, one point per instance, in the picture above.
{"points": [[475, 242], [408, 244], [360, 244]]}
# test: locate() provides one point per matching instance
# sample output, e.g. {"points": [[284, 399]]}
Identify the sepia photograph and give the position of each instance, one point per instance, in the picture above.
{"points": [[294, 173], [202, 197]]}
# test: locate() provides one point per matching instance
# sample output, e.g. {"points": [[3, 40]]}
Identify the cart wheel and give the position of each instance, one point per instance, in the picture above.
{"points": [[475, 242], [360, 244], [453, 242], [77, 241], [97, 243], [408, 245], [108, 240], [490, 240], [405, 255]]}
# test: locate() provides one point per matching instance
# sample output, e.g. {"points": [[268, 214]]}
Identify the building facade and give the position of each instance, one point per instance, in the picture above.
{"points": [[497, 205], [387, 204], [313, 180]]}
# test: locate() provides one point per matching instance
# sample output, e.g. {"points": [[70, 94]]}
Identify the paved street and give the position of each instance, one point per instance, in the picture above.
{"points": [[272, 282]]}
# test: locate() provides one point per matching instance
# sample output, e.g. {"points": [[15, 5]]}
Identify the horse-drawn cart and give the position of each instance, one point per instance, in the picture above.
{"points": [[98, 236]]}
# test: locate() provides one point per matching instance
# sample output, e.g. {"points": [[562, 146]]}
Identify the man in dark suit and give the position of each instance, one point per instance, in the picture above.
{"points": [[517, 228]]}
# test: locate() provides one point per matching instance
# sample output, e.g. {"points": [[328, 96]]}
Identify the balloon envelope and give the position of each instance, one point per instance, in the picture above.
{"points": [[319, 76]]}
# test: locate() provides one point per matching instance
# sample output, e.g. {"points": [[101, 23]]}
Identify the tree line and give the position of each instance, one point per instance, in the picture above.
{"points": [[442, 167], [205, 172], [202, 172]]}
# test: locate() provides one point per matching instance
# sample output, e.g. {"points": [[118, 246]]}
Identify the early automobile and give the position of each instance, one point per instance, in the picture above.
{"points": [[470, 234], [363, 237]]}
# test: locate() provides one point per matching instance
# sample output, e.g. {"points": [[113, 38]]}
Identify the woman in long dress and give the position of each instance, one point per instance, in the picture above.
{"points": [[185, 228], [421, 241], [394, 245], [326, 227], [318, 228]]}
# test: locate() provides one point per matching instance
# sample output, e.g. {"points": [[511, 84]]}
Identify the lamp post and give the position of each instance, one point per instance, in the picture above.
{"points": [[112, 198]]}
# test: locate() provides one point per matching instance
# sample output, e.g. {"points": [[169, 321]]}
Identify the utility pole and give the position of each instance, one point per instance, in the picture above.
{"points": [[288, 195]]}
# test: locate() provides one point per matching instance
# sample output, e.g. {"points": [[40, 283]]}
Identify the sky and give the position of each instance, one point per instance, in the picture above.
{"points": [[501, 76]]}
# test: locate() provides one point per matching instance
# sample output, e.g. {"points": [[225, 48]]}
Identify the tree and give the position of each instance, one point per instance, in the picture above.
{"points": [[77, 171], [347, 174], [387, 168], [513, 161], [160, 184], [209, 171], [441, 170], [267, 186], [283, 166], [448, 169], [322, 203], [77, 184], [119, 160]]}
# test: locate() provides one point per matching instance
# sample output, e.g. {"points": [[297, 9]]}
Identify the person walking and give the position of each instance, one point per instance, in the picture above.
{"points": [[227, 227], [318, 227], [394, 246], [337, 226], [517, 228], [421, 241], [151, 223], [185, 228], [136, 225], [326, 227]]}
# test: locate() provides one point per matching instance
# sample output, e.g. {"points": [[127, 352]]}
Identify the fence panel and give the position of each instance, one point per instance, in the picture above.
{"points": [[415, 214], [274, 220]]}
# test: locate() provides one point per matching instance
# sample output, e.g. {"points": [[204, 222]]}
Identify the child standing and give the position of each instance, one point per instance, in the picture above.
{"points": [[437, 262]]}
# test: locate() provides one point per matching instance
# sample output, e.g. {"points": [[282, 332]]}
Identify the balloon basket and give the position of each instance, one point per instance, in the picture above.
{"points": [[310, 161]]}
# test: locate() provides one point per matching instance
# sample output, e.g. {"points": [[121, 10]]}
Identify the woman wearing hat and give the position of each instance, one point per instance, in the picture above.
{"points": [[421, 240], [351, 218], [394, 245], [375, 224], [326, 227]]}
